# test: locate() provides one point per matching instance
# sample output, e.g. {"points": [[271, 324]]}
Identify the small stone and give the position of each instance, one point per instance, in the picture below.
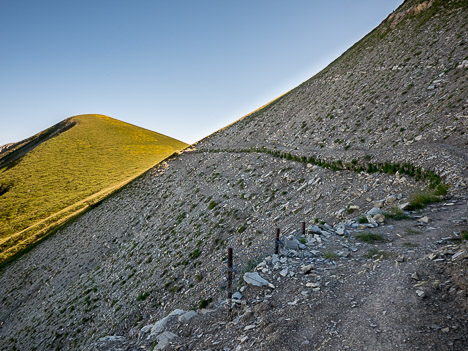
{"points": [[249, 327], [424, 220], [459, 255], [379, 218], [374, 211], [421, 293], [379, 203], [445, 330], [187, 316], [307, 269], [253, 278], [415, 276], [237, 295], [404, 206], [164, 340], [274, 259], [243, 339]]}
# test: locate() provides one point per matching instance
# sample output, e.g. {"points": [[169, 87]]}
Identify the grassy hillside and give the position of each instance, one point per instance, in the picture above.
{"points": [[58, 173]]}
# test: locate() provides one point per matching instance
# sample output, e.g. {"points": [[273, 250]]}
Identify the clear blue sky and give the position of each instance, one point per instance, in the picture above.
{"points": [[181, 68]]}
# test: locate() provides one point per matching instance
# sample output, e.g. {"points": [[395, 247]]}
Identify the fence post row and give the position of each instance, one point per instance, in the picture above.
{"points": [[229, 273], [277, 241]]}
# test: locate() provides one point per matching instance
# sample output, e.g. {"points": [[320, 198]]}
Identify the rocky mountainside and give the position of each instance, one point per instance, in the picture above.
{"points": [[344, 153]]}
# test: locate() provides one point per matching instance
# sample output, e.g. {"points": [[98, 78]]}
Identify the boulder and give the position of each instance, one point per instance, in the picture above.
{"points": [[187, 316], [164, 339], [374, 211], [253, 278], [160, 325]]}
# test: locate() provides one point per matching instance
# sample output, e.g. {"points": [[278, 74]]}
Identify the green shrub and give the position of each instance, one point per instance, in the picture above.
{"points": [[374, 254], [212, 205], [363, 219], [330, 255], [369, 237], [242, 228], [142, 296], [204, 303], [396, 213], [195, 254], [422, 199]]}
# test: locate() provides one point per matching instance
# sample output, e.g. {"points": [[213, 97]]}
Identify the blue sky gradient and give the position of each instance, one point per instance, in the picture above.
{"points": [[181, 68]]}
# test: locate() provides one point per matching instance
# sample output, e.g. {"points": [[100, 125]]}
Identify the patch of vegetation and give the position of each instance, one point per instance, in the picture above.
{"points": [[369, 237], [70, 173], [363, 219], [397, 214], [212, 205], [142, 296], [204, 303], [376, 254], [422, 199], [242, 228], [330, 255], [195, 254], [408, 244], [411, 231], [464, 235]]}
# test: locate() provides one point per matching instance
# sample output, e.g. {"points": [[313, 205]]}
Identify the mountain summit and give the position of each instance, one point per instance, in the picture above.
{"points": [[59, 172]]}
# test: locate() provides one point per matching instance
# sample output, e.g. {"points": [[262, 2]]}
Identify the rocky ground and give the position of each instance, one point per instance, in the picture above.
{"points": [[111, 279], [407, 292], [384, 296]]}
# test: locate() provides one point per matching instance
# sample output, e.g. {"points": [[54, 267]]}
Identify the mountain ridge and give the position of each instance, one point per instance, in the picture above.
{"points": [[43, 178]]}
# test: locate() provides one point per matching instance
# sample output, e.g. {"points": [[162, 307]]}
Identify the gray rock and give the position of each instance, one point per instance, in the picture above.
{"points": [[464, 64], [404, 206], [421, 293], [424, 220], [390, 199], [110, 343], [306, 269], [187, 316], [237, 295], [164, 340], [340, 230], [379, 218], [160, 325], [374, 211], [112, 339], [253, 278], [291, 243], [274, 259], [315, 229]]}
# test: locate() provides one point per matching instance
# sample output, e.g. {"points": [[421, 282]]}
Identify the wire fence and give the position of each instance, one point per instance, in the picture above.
{"points": [[245, 258]]}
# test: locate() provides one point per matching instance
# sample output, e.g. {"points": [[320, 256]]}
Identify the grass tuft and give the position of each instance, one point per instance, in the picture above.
{"points": [[397, 214], [369, 237]]}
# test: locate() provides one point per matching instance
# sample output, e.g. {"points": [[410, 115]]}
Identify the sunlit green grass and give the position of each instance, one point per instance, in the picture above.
{"points": [[96, 156]]}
